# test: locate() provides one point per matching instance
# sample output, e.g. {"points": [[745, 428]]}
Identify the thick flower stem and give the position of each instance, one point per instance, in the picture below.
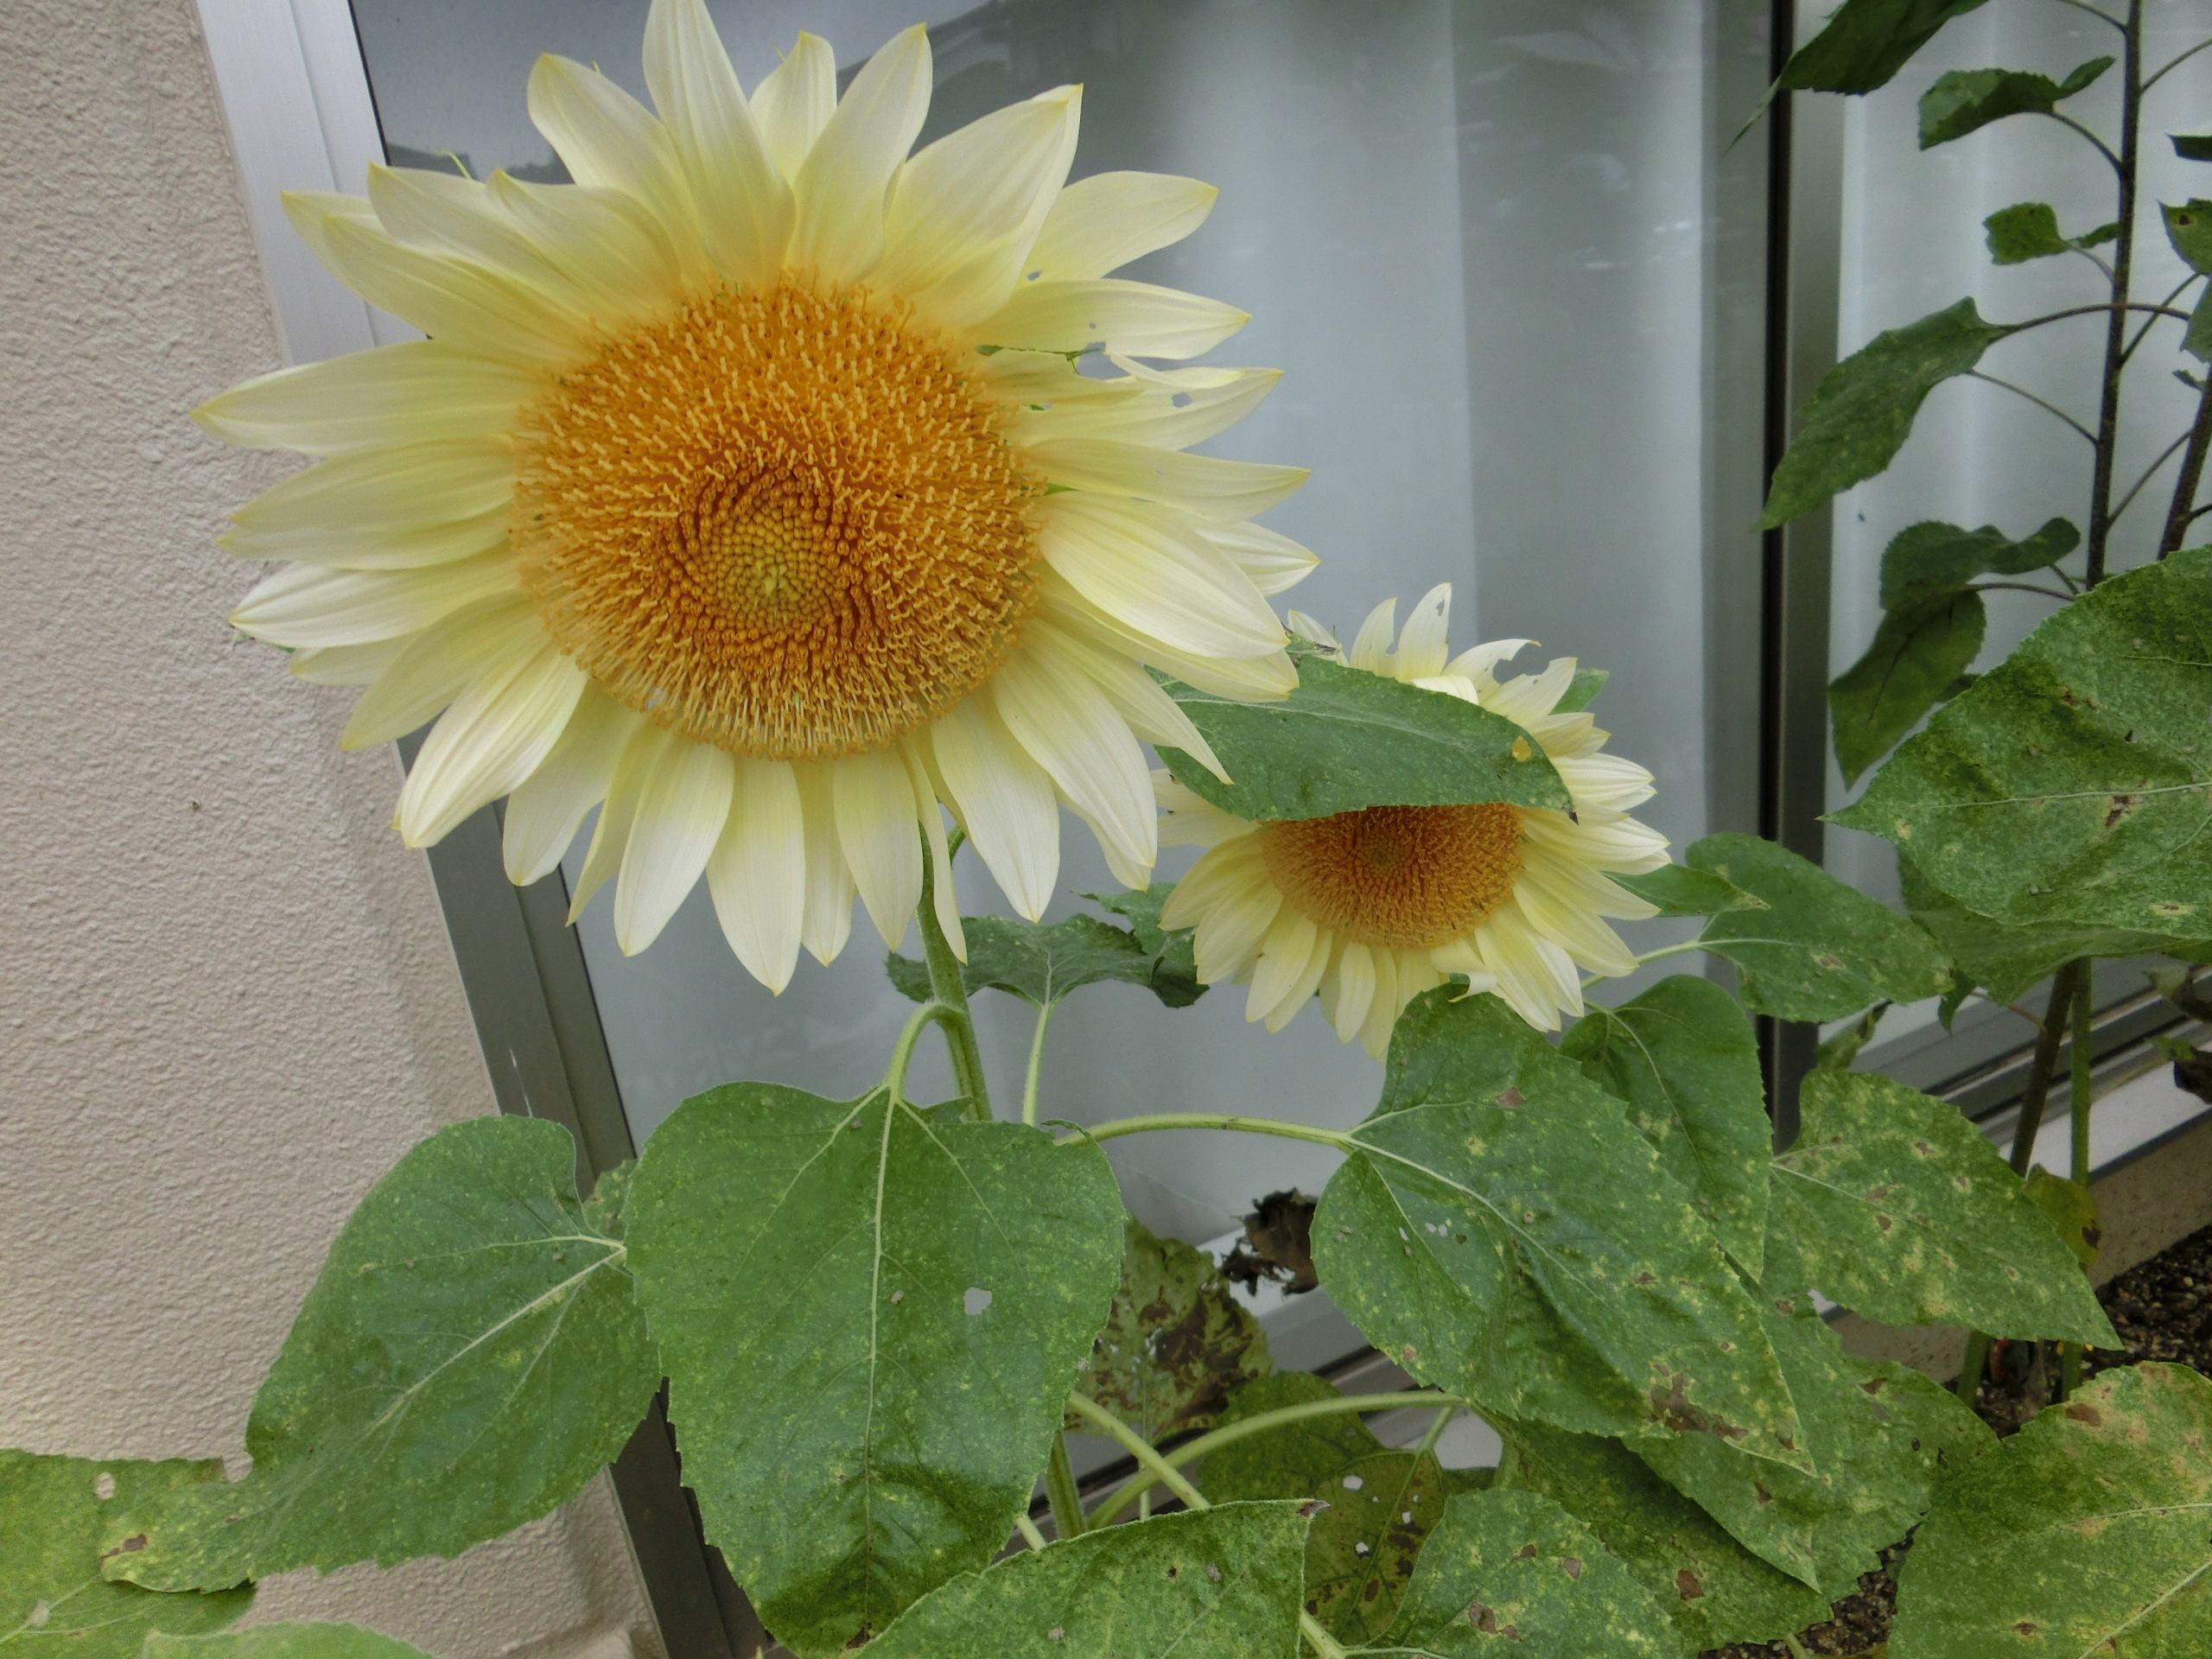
{"points": [[2080, 1098], [1036, 1062], [949, 989], [1061, 1492], [1122, 1126]]}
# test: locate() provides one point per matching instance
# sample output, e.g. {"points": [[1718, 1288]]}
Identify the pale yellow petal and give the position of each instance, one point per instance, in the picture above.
{"points": [[680, 811], [1604, 783], [606, 138], [1247, 679], [496, 733], [1136, 696], [944, 892], [877, 828], [610, 837], [443, 213], [1204, 484], [1166, 416], [1070, 730], [794, 102], [431, 668], [421, 392], [1370, 649], [1101, 222], [1221, 875], [344, 664], [744, 201], [1143, 565], [1272, 562], [1006, 801], [1134, 319], [1355, 990], [1384, 1008], [546, 809], [610, 250], [827, 919], [842, 185], [402, 486], [306, 605], [345, 546], [1423, 647], [1279, 982], [1479, 662], [757, 873]]}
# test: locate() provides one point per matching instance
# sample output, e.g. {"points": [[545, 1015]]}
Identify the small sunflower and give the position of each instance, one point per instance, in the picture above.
{"points": [[1373, 907], [746, 490]]}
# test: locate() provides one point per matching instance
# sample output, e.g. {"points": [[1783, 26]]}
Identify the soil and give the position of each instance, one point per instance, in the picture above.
{"points": [[2162, 1309]]}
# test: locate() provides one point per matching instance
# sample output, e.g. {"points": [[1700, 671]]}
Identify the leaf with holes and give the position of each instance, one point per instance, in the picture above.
{"points": [[2072, 783], [297, 1641], [1881, 1435], [1865, 42], [55, 1517], [1809, 947], [913, 1292], [1177, 1344], [1380, 1504], [1893, 1204], [1211, 1584], [1716, 1591], [1683, 1059], [470, 1356], [1966, 101], [2089, 1532], [1916, 656], [1498, 1230], [1864, 409], [1346, 738]]}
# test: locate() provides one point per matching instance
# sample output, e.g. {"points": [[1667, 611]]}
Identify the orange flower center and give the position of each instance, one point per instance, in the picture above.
{"points": [[786, 523], [1406, 878]]}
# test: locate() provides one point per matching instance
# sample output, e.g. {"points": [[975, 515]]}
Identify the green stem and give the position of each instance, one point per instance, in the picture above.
{"points": [[1036, 1062], [902, 1053], [2192, 474], [2042, 1065], [1065, 1496], [1166, 1473], [1325, 1646], [1122, 1126], [1436, 1430], [1971, 1368], [1030, 1535], [951, 991], [1190, 1451], [2080, 1094], [2123, 258]]}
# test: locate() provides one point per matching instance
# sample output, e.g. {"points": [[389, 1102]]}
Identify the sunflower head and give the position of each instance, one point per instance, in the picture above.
{"points": [[1372, 908], [746, 490]]}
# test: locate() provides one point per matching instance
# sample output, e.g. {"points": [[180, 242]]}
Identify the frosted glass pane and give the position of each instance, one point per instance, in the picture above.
{"points": [[1516, 286]]}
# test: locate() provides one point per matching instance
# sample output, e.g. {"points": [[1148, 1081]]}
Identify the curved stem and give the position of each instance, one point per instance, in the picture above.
{"points": [[902, 1053], [1036, 1064], [950, 992], [1162, 1471], [1436, 1428], [1061, 1492], [2092, 310], [2024, 588], [2103, 148], [2040, 403], [1122, 1126], [2174, 64], [2095, 11], [1684, 948], [1190, 1451], [2148, 322], [2150, 473]]}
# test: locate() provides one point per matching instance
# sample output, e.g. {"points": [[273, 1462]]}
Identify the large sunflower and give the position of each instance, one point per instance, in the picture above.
{"points": [[1372, 908], [747, 490]]}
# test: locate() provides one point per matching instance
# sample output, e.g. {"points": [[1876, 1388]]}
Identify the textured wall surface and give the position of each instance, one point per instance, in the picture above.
{"points": [[227, 1002]]}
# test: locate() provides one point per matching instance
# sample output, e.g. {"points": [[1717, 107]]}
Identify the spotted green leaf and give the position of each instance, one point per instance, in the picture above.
{"points": [[1881, 1436], [299, 1641], [1966, 101], [871, 1318], [55, 1514], [1865, 407], [1177, 1344], [2188, 227], [1893, 1204], [1916, 657], [1865, 42], [1806, 946], [1513, 1572], [470, 1356], [1380, 1504], [1715, 1589], [1210, 1584], [2073, 782], [1499, 1230], [1682, 1056], [1346, 738], [2089, 1532], [2072, 1208]]}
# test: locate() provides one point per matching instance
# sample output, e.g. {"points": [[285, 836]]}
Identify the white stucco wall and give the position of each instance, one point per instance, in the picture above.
{"points": [[227, 1002]]}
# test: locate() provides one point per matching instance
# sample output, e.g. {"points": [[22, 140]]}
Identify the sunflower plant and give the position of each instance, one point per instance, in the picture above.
{"points": [[808, 510]]}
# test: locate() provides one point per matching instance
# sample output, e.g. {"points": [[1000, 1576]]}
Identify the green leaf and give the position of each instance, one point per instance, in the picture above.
{"points": [[1497, 1230], [2196, 339], [299, 1641], [1582, 690], [1930, 560], [2073, 782], [470, 1356], [2028, 229], [1893, 1204], [1175, 971], [1511, 1572], [1818, 948], [2192, 146], [1208, 1584], [1346, 739], [1177, 1344], [1865, 42], [1837, 1053], [1380, 1504], [2188, 228], [54, 1515], [1916, 655], [2072, 1208], [2005, 960], [2089, 1532], [1678, 890], [1865, 407], [1966, 101], [1040, 964], [1682, 1056], [1882, 1435], [1716, 1591], [870, 1317]]}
